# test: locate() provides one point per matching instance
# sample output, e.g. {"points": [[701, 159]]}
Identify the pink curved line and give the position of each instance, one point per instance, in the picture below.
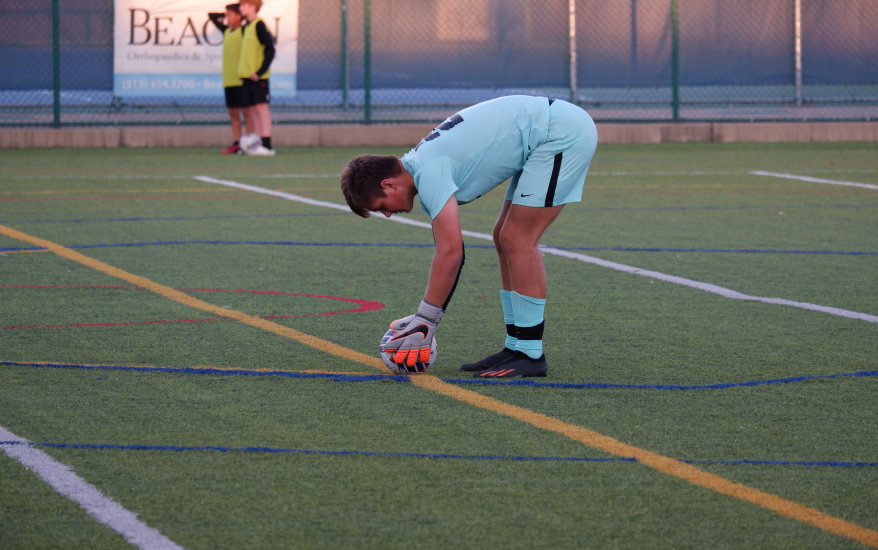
{"points": [[362, 305], [142, 197]]}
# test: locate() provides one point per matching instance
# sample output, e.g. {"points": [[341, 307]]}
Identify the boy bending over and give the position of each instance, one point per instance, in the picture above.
{"points": [[545, 146]]}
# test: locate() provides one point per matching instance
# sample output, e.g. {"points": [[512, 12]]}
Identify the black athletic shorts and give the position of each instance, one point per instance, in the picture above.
{"points": [[254, 93], [234, 97]]}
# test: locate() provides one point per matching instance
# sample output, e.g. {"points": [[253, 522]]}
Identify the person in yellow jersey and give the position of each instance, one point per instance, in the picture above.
{"points": [[257, 53], [229, 23]]}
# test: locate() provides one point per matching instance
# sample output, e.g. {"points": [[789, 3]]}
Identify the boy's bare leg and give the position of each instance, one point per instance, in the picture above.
{"points": [[263, 119], [516, 237], [235, 117], [249, 123], [505, 276], [251, 120]]}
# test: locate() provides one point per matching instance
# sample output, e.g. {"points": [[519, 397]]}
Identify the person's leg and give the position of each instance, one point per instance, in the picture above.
{"points": [[519, 239], [252, 113], [505, 276], [505, 300], [263, 115], [552, 176], [523, 275], [264, 119], [235, 118], [249, 124], [233, 104], [261, 120], [520, 258]]}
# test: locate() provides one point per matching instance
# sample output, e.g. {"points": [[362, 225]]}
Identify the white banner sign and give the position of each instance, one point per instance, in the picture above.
{"points": [[171, 48]]}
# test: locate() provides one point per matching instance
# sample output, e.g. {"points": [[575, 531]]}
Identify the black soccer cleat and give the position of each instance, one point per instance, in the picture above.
{"points": [[489, 361], [520, 364]]}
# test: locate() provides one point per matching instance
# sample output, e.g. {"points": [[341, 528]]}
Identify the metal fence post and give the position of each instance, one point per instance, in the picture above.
{"points": [[675, 59], [345, 71], [367, 61], [56, 65], [572, 47], [798, 51], [634, 34]]}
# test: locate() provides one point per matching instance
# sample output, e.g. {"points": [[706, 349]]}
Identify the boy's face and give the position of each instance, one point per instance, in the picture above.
{"points": [[233, 19], [247, 10], [396, 200]]}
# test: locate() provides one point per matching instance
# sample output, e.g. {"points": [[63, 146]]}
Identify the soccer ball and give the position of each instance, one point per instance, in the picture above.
{"points": [[387, 357], [249, 143]]}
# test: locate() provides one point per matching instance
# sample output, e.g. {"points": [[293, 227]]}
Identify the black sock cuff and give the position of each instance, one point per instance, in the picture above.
{"points": [[530, 333]]}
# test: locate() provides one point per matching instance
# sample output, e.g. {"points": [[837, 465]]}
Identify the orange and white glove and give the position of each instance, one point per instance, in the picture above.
{"points": [[411, 344]]}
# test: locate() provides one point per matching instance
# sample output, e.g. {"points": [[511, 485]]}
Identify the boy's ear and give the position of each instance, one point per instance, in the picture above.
{"points": [[388, 184]]}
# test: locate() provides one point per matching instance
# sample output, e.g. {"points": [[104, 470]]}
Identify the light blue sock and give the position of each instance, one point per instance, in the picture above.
{"points": [[508, 318], [529, 324]]}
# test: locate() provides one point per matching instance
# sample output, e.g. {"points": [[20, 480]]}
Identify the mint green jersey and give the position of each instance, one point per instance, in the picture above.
{"points": [[543, 146], [476, 150]]}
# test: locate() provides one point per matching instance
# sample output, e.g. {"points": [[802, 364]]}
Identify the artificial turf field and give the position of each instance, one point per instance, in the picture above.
{"points": [[204, 356]]}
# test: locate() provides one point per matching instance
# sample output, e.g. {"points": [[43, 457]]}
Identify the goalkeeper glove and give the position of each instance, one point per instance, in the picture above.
{"points": [[414, 338]]}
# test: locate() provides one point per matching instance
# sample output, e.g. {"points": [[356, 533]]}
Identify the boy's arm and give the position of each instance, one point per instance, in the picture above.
{"points": [[414, 336], [267, 42], [217, 19], [449, 255]]}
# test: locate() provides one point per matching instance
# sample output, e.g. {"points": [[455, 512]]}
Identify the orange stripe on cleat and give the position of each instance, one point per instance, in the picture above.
{"points": [[497, 373]]}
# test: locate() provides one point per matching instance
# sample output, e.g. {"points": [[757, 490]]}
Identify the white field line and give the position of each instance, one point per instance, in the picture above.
{"points": [[61, 478], [814, 180], [706, 287], [281, 194], [614, 173]]}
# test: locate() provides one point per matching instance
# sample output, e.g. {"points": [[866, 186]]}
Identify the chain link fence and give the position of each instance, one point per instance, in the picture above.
{"points": [[383, 61]]}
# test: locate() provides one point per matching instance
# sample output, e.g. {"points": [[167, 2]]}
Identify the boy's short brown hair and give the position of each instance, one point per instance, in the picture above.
{"points": [[361, 180], [257, 3]]}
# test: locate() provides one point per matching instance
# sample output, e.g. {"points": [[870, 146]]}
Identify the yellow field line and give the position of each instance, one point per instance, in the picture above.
{"points": [[177, 296], [659, 462]]}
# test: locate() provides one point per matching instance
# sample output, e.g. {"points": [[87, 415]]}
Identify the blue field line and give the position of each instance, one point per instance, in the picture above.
{"points": [[21, 249], [528, 382], [276, 450], [443, 456], [336, 377], [425, 245], [464, 211], [602, 386]]}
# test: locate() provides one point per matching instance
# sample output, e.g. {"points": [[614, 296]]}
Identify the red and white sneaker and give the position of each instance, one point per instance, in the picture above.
{"points": [[235, 148]]}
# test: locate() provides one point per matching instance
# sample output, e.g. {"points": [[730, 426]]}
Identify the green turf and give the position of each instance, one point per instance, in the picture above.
{"points": [[384, 464]]}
